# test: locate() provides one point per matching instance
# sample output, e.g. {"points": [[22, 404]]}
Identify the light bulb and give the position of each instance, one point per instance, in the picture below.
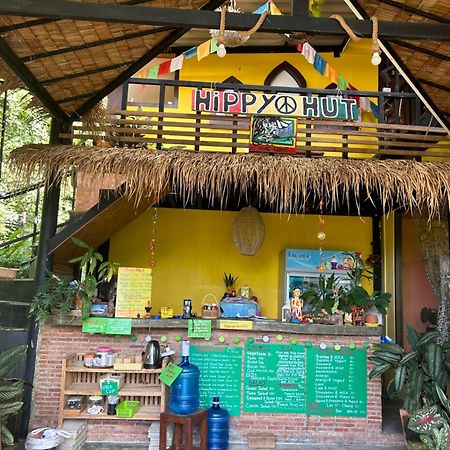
{"points": [[376, 58], [221, 51]]}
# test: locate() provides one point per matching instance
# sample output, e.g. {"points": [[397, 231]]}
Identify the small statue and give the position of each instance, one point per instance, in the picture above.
{"points": [[148, 308], [297, 304]]}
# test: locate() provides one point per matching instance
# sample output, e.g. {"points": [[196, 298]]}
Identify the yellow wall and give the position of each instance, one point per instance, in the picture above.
{"points": [[388, 267], [195, 248]]}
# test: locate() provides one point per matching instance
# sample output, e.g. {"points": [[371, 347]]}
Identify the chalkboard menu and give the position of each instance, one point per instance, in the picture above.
{"points": [[336, 382], [220, 375], [274, 378]]}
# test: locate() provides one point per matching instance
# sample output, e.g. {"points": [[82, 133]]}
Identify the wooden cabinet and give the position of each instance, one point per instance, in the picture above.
{"points": [[141, 385]]}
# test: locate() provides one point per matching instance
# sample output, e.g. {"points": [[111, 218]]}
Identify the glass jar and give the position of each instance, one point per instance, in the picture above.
{"points": [[95, 405], [74, 402]]}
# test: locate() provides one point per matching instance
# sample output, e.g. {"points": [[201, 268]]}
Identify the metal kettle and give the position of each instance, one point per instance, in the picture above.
{"points": [[152, 355]]}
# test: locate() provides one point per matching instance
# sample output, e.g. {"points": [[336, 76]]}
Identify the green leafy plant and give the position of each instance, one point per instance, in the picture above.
{"points": [[229, 280], [10, 391], [16, 255], [432, 423], [93, 271], [417, 373], [325, 296], [55, 292]]}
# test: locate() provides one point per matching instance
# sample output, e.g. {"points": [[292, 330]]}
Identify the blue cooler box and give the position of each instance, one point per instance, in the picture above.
{"points": [[238, 308]]}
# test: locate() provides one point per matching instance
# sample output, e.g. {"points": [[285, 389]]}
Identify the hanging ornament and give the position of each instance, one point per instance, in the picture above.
{"points": [[376, 51], [152, 247], [321, 236]]}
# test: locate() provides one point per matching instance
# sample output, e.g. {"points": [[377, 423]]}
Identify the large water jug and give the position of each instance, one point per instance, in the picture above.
{"points": [[184, 392], [217, 426]]}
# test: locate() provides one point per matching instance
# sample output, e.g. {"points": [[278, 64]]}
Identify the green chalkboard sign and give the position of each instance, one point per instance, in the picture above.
{"points": [[105, 325], [109, 388], [274, 378], [336, 382], [118, 326], [220, 375]]}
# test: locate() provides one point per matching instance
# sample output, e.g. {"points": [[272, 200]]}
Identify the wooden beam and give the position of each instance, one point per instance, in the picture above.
{"points": [[22, 71], [411, 9], [435, 85], [186, 18], [417, 48]]}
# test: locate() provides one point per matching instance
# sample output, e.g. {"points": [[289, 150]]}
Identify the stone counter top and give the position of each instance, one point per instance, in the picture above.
{"points": [[265, 325]]}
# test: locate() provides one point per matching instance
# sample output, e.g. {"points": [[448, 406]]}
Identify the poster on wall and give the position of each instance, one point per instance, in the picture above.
{"points": [[134, 291], [273, 134]]}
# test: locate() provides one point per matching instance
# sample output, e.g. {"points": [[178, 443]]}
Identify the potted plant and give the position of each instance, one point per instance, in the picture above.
{"points": [[229, 282], [325, 296], [14, 258], [56, 293], [93, 271], [10, 391]]}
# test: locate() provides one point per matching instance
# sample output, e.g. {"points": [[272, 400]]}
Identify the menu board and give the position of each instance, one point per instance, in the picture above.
{"points": [[274, 378], [134, 291], [220, 375], [336, 382]]}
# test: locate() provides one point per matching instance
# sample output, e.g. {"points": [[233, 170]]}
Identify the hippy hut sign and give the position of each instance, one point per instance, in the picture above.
{"points": [[328, 107]]}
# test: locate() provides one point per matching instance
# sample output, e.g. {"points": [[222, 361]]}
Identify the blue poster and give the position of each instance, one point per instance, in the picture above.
{"points": [[311, 260]]}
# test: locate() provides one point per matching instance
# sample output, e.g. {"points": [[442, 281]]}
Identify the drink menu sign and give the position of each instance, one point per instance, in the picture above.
{"points": [[336, 382], [274, 378], [220, 375], [134, 291]]}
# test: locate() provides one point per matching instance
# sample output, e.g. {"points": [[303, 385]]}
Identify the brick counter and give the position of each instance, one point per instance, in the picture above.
{"points": [[58, 341]]}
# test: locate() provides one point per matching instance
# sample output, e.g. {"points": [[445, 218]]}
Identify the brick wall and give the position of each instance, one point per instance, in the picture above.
{"points": [[56, 342]]}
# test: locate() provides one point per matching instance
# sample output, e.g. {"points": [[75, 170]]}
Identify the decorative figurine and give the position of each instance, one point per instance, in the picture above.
{"points": [[297, 304], [148, 308]]}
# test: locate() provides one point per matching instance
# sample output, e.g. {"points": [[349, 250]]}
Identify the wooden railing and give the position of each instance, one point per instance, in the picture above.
{"points": [[228, 133]]}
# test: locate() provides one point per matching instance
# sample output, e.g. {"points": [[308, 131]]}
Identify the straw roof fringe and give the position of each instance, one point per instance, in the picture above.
{"points": [[286, 183]]}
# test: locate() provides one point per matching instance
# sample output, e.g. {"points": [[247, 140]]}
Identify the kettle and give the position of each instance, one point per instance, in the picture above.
{"points": [[152, 355]]}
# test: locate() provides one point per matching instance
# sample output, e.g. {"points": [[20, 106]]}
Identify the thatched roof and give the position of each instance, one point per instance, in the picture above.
{"points": [[287, 183]]}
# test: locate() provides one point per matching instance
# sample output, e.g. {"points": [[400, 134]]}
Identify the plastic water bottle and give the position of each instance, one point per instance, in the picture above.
{"points": [[217, 426], [184, 393]]}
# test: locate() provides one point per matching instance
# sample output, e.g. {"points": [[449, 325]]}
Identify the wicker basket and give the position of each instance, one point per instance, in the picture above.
{"points": [[248, 231], [210, 313]]}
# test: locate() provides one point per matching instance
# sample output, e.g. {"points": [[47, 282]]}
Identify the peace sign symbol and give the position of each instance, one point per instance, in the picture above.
{"points": [[285, 104]]}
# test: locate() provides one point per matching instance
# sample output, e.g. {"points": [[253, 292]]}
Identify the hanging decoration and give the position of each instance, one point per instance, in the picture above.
{"points": [[376, 51], [152, 260], [248, 231], [321, 236]]}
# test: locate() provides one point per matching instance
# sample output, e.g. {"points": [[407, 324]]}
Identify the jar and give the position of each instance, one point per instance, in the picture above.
{"points": [[95, 405], [74, 402], [88, 359], [104, 357]]}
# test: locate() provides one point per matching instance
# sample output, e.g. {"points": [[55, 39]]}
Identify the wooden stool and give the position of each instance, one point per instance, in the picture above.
{"points": [[183, 427]]}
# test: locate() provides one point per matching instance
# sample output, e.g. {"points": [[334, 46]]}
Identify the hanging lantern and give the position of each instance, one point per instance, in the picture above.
{"points": [[248, 231]]}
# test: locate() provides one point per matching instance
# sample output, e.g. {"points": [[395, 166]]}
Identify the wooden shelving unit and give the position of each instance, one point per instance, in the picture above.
{"points": [[142, 385]]}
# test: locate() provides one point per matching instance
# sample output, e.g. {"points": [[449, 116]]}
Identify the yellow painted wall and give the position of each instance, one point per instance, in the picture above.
{"points": [[195, 248], [388, 266]]}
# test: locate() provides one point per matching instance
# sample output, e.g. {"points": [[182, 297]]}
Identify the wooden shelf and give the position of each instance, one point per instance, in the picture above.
{"points": [[83, 388], [144, 385], [144, 413], [82, 368]]}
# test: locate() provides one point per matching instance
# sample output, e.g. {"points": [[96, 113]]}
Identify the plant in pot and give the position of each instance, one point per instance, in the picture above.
{"points": [[15, 258], [93, 271], [229, 282], [356, 295], [55, 294], [10, 391]]}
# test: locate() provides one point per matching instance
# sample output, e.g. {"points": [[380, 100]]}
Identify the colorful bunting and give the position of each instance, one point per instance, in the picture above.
{"points": [[203, 50], [152, 72], [274, 11], [188, 54], [342, 83], [164, 68], [176, 63], [263, 8], [308, 52], [319, 64], [213, 47]]}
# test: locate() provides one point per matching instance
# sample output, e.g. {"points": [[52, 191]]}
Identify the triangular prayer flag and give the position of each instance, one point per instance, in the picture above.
{"points": [[176, 63], [152, 72], [319, 64], [164, 68], [352, 88], [141, 74], [190, 53], [274, 11], [203, 50], [342, 83], [262, 8], [213, 48]]}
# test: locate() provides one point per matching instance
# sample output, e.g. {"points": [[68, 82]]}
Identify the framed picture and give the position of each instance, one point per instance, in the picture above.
{"points": [[273, 134]]}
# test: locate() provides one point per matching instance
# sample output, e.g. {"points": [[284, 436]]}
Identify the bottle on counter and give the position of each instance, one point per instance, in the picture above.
{"points": [[184, 392], [218, 426]]}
